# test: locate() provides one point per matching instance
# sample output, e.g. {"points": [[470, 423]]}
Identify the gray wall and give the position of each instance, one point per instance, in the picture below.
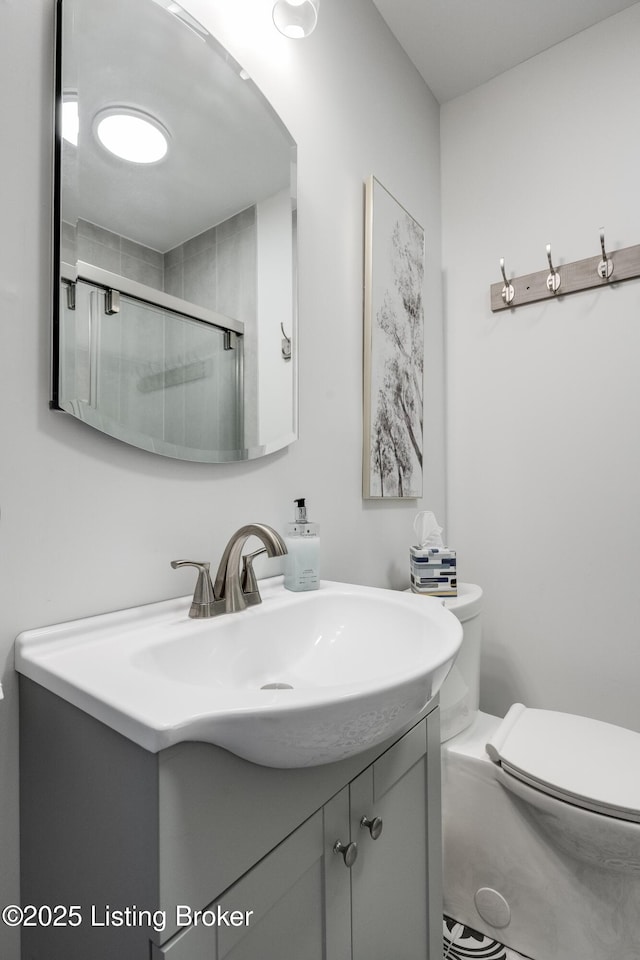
{"points": [[88, 524], [544, 402]]}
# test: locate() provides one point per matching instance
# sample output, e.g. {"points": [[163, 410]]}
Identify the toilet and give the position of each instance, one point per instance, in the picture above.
{"points": [[541, 819]]}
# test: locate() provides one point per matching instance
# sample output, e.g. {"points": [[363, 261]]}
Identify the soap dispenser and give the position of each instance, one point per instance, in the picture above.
{"points": [[302, 563]]}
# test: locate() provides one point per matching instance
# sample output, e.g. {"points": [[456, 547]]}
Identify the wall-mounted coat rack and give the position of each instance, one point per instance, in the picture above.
{"points": [[598, 271]]}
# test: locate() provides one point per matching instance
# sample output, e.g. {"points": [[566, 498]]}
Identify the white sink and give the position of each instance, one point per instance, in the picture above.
{"points": [[300, 680]]}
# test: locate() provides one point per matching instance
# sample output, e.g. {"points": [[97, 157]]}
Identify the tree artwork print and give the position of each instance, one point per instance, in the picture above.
{"points": [[393, 348]]}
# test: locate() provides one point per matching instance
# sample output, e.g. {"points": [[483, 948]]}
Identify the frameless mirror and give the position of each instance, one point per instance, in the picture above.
{"points": [[174, 238]]}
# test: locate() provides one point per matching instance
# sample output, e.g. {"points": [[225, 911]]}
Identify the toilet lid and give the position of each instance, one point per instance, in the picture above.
{"points": [[586, 762]]}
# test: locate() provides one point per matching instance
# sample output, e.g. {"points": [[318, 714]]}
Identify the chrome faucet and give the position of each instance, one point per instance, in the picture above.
{"points": [[232, 590], [237, 594]]}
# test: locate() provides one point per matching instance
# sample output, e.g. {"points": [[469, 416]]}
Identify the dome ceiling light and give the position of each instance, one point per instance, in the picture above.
{"points": [[131, 134]]}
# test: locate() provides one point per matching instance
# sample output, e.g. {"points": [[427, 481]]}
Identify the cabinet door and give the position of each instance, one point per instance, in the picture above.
{"points": [[299, 895], [296, 902], [274, 911], [193, 943], [390, 891]]}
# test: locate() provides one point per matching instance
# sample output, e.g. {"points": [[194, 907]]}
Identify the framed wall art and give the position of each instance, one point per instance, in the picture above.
{"points": [[393, 348]]}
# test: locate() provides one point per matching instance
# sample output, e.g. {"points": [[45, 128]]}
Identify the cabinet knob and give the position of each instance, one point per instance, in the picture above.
{"points": [[349, 851], [374, 826]]}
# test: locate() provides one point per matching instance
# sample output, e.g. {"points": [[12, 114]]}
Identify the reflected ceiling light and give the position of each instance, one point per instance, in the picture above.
{"points": [[70, 122], [131, 134], [296, 18]]}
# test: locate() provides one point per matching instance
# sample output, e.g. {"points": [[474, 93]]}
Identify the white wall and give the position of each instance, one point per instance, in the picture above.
{"points": [[90, 525], [274, 311], [544, 402]]}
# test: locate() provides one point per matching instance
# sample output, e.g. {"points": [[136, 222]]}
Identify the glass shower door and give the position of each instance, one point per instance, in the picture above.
{"points": [[147, 375]]}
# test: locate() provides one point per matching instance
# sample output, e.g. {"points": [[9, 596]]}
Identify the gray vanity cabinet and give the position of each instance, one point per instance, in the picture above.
{"points": [[309, 905], [104, 822]]}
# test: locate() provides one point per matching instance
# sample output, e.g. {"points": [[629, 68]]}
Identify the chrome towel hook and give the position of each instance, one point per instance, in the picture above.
{"points": [[553, 280], [508, 293], [285, 344], [605, 267]]}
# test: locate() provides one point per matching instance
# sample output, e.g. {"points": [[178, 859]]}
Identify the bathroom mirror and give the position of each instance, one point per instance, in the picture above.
{"points": [[174, 238]]}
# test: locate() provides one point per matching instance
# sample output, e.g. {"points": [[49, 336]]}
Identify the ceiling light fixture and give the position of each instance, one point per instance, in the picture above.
{"points": [[296, 18], [131, 134]]}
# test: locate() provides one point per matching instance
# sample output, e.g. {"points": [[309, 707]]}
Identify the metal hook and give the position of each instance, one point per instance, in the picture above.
{"points": [[605, 267], [285, 344], [508, 293], [553, 280]]}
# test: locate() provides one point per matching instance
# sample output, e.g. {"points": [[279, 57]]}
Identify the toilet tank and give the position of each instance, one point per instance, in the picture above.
{"points": [[459, 694]]}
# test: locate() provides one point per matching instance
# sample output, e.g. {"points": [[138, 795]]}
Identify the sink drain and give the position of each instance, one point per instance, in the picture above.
{"points": [[277, 686]]}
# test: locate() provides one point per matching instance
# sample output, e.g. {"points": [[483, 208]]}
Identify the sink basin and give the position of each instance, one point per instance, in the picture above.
{"points": [[300, 680]]}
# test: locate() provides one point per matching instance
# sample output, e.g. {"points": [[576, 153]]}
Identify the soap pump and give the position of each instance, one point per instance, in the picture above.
{"points": [[302, 563]]}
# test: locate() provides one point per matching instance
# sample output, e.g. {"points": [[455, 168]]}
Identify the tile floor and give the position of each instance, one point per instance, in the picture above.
{"points": [[463, 943]]}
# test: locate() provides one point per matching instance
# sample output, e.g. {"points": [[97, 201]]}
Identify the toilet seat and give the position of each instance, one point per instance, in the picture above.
{"points": [[585, 762]]}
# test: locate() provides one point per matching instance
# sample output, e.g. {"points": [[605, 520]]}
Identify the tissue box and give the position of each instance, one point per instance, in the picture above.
{"points": [[433, 571]]}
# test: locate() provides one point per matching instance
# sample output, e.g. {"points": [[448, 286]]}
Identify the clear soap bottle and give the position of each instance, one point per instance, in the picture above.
{"points": [[302, 563]]}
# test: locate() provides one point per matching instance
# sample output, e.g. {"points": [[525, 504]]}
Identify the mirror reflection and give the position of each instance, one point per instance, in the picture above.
{"points": [[174, 314]]}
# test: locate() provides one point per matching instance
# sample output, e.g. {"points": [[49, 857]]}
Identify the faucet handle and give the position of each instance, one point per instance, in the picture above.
{"points": [[248, 580], [203, 595]]}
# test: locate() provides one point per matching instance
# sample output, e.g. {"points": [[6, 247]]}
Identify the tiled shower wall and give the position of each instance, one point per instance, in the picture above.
{"points": [[210, 269], [107, 250]]}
